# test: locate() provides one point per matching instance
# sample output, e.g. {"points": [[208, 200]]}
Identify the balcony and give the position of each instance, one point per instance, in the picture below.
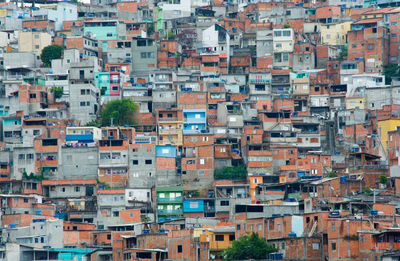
{"points": [[170, 212], [79, 137], [387, 245], [168, 119], [49, 163], [194, 120], [169, 131], [170, 200]]}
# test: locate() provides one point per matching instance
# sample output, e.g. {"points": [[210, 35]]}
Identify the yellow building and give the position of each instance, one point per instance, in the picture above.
{"points": [[384, 127], [219, 238], [170, 132], [356, 102], [335, 34], [33, 41]]}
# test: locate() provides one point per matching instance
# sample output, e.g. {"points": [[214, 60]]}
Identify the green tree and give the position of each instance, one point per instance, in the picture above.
{"points": [[382, 179], [51, 52], [57, 91], [93, 123], [249, 247], [150, 29], [231, 173], [343, 54], [169, 35], [332, 174], [119, 112], [391, 70]]}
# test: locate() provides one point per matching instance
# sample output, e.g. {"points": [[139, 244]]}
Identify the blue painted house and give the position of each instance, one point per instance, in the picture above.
{"points": [[194, 121], [167, 151]]}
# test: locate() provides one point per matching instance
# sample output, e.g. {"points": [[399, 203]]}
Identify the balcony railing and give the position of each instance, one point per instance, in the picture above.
{"points": [[168, 119], [170, 211], [177, 199]]}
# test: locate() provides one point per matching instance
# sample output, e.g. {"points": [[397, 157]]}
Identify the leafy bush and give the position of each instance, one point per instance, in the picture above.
{"points": [[249, 247], [231, 173]]}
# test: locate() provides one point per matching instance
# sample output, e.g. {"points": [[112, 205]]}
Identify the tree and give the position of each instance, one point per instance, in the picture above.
{"points": [[57, 91], [382, 179], [93, 123], [51, 52], [150, 29], [332, 174], [231, 173], [249, 247], [169, 35], [119, 112], [391, 70]]}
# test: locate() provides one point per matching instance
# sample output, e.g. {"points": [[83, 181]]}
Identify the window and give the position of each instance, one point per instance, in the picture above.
{"points": [[62, 189], [202, 162], [36, 36], [315, 246], [252, 227], [371, 46], [279, 227], [286, 33], [77, 189], [219, 237], [374, 30], [333, 246], [83, 92], [333, 227], [393, 35], [148, 162], [25, 200], [109, 34], [231, 237], [205, 138], [224, 203], [82, 104], [116, 213], [135, 162], [238, 227], [259, 227], [36, 47], [283, 245], [285, 57], [179, 248], [32, 96]]}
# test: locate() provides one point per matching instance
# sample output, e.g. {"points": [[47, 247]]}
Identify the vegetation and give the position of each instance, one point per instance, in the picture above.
{"points": [[119, 112], [51, 52], [391, 70], [93, 123], [57, 91], [350, 237], [144, 218], [150, 29], [249, 247], [343, 54], [169, 35], [32, 176], [332, 174], [367, 191], [231, 173], [382, 179]]}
